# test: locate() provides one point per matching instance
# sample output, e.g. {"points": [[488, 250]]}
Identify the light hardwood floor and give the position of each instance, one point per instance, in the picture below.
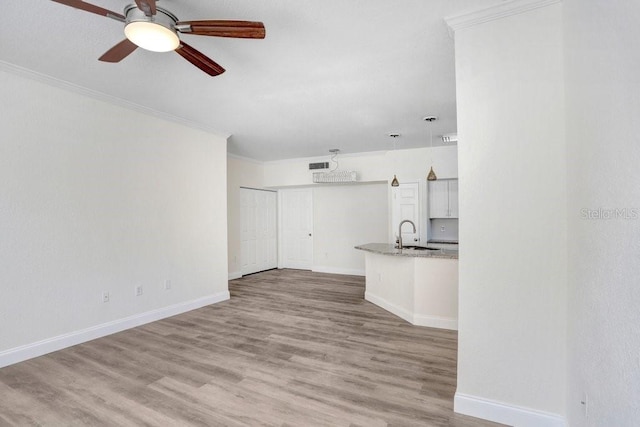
{"points": [[291, 348]]}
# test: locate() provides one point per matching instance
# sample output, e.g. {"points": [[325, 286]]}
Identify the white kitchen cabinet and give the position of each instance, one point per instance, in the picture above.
{"points": [[453, 198], [443, 198]]}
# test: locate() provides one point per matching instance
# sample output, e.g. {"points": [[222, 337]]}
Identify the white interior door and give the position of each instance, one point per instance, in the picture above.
{"points": [[296, 228], [259, 241], [406, 205]]}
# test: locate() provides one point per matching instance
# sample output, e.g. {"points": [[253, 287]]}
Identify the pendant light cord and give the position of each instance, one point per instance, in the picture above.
{"points": [[431, 176]]}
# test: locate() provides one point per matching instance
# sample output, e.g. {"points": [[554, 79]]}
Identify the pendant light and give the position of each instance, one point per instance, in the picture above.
{"points": [[394, 182], [432, 175]]}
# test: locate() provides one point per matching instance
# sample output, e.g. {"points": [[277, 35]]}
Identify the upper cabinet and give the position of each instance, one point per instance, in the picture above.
{"points": [[453, 198], [443, 198]]}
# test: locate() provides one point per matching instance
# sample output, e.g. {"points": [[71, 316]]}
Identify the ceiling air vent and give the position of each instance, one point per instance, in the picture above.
{"points": [[320, 165], [452, 137]]}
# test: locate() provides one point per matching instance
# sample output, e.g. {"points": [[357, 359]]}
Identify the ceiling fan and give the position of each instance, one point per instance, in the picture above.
{"points": [[154, 28]]}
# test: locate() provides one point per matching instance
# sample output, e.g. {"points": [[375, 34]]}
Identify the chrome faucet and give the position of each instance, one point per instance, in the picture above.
{"points": [[400, 231]]}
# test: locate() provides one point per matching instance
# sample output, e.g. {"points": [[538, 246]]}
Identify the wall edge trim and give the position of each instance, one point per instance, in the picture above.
{"points": [[235, 275], [435, 322], [109, 99], [492, 13], [505, 413], [49, 345], [386, 305], [336, 270]]}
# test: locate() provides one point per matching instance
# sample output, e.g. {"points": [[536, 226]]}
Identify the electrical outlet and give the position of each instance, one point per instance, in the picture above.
{"points": [[138, 290], [167, 285], [105, 296], [585, 404]]}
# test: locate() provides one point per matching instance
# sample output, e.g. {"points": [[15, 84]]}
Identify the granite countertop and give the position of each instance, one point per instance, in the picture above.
{"points": [[389, 249]]}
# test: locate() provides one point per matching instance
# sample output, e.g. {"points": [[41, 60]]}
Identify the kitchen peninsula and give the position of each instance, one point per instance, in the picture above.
{"points": [[420, 286]]}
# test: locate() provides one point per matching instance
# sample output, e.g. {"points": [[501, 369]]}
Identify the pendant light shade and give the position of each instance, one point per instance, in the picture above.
{"points": [[432, 175]]}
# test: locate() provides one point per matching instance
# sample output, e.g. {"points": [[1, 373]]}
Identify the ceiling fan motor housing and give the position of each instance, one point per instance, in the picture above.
{"points": [[156, 32]]}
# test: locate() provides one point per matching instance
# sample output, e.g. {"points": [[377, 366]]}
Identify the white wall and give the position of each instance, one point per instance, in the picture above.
{"points": [[93, 198], [345, 216], [512, 160], [603, 105], [241, 173]]}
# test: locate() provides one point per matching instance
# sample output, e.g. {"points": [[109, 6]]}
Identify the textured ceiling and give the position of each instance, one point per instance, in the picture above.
{"points": [[329, 74]]}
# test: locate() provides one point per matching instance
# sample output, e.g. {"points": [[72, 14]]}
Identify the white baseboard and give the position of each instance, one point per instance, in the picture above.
{"points": [[334, 270], [414, 319], [235, 275], [505, 413], [29, 351], [435, 322], [392, 308]]}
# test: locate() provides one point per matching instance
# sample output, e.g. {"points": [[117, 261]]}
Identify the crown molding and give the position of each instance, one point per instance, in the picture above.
{"points": [[492, 13], [244, 159], [109, 99]]}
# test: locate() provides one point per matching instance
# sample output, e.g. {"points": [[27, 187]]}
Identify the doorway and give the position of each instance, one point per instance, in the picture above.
{"points": [[296, 228], [406, 205]]}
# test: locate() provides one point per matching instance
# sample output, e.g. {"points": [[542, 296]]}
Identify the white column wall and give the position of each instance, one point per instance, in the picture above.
{"points": [[603, 105], [513, 263]]}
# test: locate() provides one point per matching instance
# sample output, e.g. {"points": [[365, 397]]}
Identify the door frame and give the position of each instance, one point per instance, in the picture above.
{"points": [[281, 263]]}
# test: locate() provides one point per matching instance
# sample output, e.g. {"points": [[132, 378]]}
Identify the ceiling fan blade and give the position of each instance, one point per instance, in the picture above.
{"points": [[147, 6], [118, 52], [88, 7], [199, 60], [236, 29]]}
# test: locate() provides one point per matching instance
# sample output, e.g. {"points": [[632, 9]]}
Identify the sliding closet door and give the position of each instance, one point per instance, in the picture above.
{"points": [[259, 242]]}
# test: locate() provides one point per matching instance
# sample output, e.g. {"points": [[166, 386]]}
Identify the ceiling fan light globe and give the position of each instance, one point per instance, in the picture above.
{"points": [[152, 36]]}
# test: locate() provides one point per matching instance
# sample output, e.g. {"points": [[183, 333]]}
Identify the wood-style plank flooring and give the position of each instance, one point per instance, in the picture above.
{"points": [[291, 348]]}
